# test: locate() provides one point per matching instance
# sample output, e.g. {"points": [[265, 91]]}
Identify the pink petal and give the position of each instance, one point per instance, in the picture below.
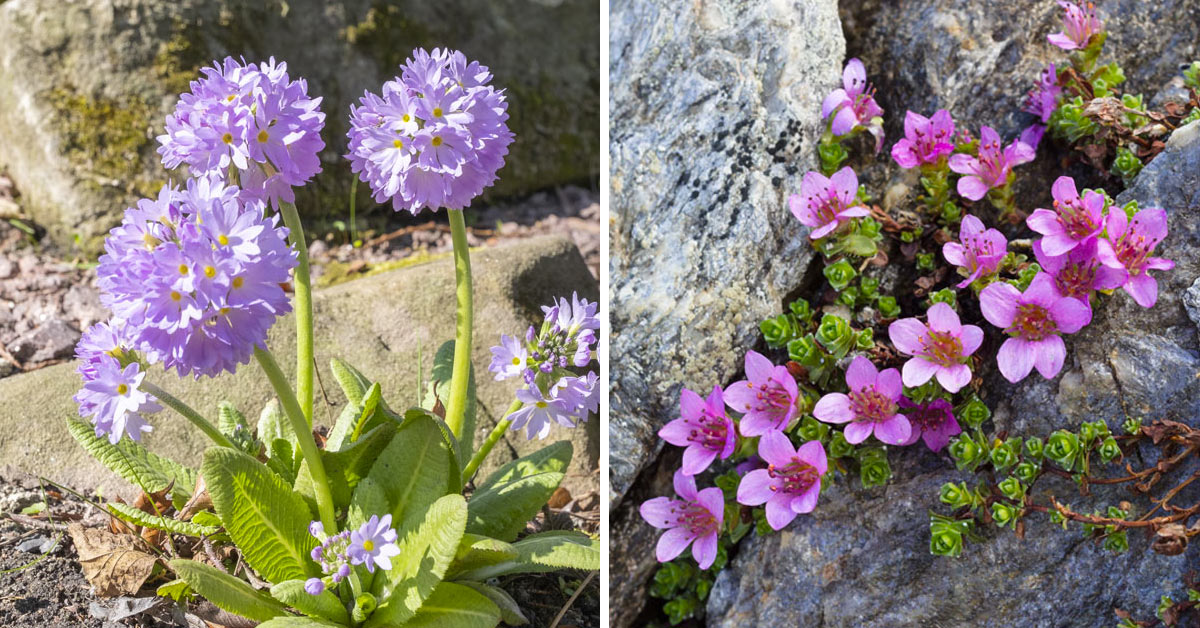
{"points": [[660, 512], [823, 230], [972, 187], [814, 184], [954, 253], [1108, 256], [1071, 315], [813, 452], [758, 367], [779, 512], [691, 405], [1058, 243], [843, 122], [704, 550], [672, 543], [854, 76], [972, 338], [1064, 189], [917, 371], [888, 383], [1044, 222], [963, 163], [943, 318], [798, 208], [904, 155], [716, 402], [741, 396], [685, 486], [677, 432], [846, 183], [1062, 41], [1110, 278], [1153, 263], [893, 431], [696, 459], [835, 99], [1152, 223], [998, 302], [937, 439], [807, 501], [856, 211], [1015, 359], [906, 335], [713, 499], [1049, 354], [914, 123], [970, 227], [858, 431], [776, 449], [953, 378], [1049, 263], [861, 373], [1041, 291], [1144, 289], [759, 423], [833, 408], [755, 488], [1116, 224]]}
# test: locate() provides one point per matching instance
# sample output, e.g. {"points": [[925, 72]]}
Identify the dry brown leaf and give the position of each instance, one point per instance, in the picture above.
{"points": [[560, 498], [111, 562]]}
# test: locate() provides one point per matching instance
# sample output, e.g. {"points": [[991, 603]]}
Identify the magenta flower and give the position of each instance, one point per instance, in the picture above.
{"points": [[1128, 247], [790, 484], [1078, 273], [940, 349], [993, 166], [1073, 219], [853, 105], [767, 397], [1043, 98], [926, 140], [1034, 321], [1079, 24], [824, 203], [703, 428], [695, 518], [870, 407], [980, 252], [932, 422]]}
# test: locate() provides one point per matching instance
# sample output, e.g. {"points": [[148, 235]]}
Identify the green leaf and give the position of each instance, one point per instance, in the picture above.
{"points": [[477, 551], [427, 547], [273, 426], [415, 469], [510, 612], [325, 606], [298, 622], [136, 516], [546, 551], [226, 591], [354, 384], [229, 420], [455, 606], [177, 590], [439, 389], [512, 495], [344, 469], [281, 459], [133, 462], [265, 518]]}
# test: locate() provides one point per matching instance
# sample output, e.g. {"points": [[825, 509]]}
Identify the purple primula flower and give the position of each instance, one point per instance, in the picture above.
{"points": [[979, 250], [1043, 98], [541, 411], [1034, 321], [436, 135], [939, 349], [926, 140], [1079, 24], [932, 421], [695, 519], [992, 168], [114, 400], [373, 544], [790, 484], [1128, 247], [766, 398], [314, 586], [574, 324], [333, 555], [1077, 273], [1073, 219], [251, 117], [702, 427], [853, 105], [870, 407], [824, 203], [510, 359], [99, 341]]}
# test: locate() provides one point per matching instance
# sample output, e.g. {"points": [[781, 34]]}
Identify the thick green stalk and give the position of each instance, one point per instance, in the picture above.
{"points": [[491, 441], [460, 376], [304, 313], [188, 413], [308, 446]]}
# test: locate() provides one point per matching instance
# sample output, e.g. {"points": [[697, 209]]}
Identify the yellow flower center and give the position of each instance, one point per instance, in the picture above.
{"points": [[223, 311], [223, 240], [263, 136], [406, 118], [238, 281], [122, 389], [230, 97], [210, 272], [176, 297], [227, 138], [516, 361], [436, 141], [368, 545], [437, 112], [183, 269], [540, 404], [398, 144]]}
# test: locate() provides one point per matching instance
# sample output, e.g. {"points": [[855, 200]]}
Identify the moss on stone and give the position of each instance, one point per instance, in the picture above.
{"points": [[338, 272], [179, 59], [108, 138]]}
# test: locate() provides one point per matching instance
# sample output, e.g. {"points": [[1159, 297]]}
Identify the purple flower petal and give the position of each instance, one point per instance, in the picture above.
{"points": [[704, 550], [999, 302], [858, 431], [893, 431], [1143, 288], [861, 373], [917, 371], [1049, 354], [813, 452], [755, 488], [906, 335], [833, 408], [1015, 359], [672, 543]]}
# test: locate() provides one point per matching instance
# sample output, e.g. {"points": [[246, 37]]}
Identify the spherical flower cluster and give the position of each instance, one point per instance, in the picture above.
{"points": [[434, 137], [195, 277], [250, 117]]}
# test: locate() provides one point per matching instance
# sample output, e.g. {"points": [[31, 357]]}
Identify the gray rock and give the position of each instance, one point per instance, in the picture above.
{"points": [[49, 341], [863, 555], [87, 84], [379, 324]]}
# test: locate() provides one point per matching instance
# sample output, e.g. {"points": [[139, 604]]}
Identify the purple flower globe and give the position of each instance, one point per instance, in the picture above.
{"points": [[436, 135]]}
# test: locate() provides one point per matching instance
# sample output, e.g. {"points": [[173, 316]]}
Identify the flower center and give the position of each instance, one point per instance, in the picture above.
{"points": [[436, 141], [1076, 280], [697, 519], [183, 269], [770, 398], [1032, 322], [540, 404], [796, 476], [238, 281], [398, 143], [122, 389], [826, 208], [710, 431], [926, 418], [227, 138], [871, 406], [223, 240], [263, 136], [1075, 218], [210, 272], [176, 297], [406, 118], [942, 348], [1134, 248], [437, 112], [368, 545], [516, 361]]}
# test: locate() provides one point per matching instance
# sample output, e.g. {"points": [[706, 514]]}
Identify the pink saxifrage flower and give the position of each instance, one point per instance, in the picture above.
{"points": [[1034, 321], [853, 104], [939, 349], [926, 140], [767, 397], [1078, 273], [703, 428], [979, 250], [1128, 247], [932, 421], [824, 203], [1079, 24], [992, 168], [790, 484], [1073, 219], [871, 407], [694, 520]]}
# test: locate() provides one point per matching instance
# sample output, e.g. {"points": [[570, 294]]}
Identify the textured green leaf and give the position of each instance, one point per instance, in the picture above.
{"points": [[298, 622], [264, 517], [354, 384], [365, 410], [229, 420], [135, 516], [282, 460], [477, 551], [439, 390], [133, 462], [177, 590], [545, 551], [344, 469], [415, 469], [273, 425], [325, 606], [226, 591], [427, 547], [510, 611], [511, 496], [455, 606]]}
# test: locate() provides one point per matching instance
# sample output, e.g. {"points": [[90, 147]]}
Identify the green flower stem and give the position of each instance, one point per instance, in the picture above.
{"points": [[492, 439], [460, 376], [188, 413], [304, 313], [308, 446]]}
